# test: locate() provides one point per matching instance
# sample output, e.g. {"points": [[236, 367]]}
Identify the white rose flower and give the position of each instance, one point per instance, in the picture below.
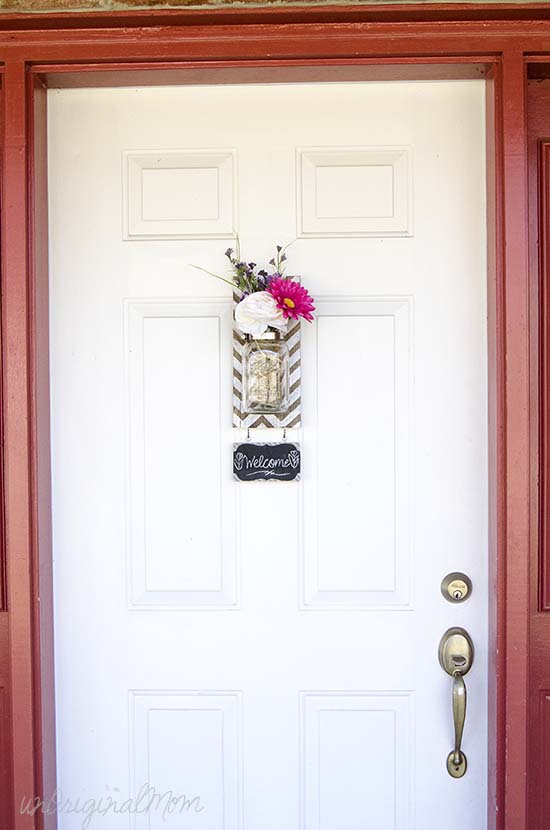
{"points": [[258, 311]]}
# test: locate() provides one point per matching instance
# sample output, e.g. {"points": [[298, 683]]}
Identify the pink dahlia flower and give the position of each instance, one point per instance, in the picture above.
{"points": [[293, 300]]}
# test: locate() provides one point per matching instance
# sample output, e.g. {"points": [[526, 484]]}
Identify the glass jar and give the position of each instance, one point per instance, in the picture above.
{"points": [[265, 373]]}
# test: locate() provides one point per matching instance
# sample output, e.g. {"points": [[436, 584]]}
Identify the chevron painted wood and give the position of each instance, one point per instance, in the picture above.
{"points": [[293, 416]]}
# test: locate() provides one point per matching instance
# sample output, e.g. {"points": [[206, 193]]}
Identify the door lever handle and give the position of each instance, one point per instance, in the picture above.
{"points": [[456, 656], [459, 716]]}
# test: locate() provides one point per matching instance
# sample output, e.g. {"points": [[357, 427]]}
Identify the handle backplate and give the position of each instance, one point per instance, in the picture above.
{"points": [[456, 652]]}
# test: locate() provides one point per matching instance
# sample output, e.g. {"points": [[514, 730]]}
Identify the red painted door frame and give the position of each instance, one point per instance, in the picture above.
{"points": [[121, 48]]}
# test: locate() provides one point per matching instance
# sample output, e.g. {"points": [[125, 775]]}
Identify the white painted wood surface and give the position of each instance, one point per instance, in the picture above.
{"points": [[269, 649]]}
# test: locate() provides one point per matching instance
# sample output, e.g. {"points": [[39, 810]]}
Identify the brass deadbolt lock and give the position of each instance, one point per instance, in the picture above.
{"points": [[456, 587]]}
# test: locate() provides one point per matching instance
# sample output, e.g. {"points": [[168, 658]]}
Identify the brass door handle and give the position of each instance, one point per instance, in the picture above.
{"points": [[459, 716], [456, 655]]}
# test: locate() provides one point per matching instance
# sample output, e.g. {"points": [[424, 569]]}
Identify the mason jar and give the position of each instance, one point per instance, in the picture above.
{"points": [[265, 373]]}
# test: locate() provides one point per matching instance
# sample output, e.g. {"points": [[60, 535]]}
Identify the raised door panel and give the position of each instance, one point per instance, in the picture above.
{"points": [[356, 541], [357, 751], [182, 520], [186, 759]]}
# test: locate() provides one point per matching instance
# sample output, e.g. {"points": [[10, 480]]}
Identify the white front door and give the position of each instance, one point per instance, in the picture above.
{"points": [[268, 650]]}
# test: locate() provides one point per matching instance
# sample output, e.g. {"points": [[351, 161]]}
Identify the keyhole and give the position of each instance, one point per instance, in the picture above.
{"points": [[456, 587]]}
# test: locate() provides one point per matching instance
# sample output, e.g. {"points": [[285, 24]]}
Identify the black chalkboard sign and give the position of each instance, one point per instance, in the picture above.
{"points": [[266, 462]]}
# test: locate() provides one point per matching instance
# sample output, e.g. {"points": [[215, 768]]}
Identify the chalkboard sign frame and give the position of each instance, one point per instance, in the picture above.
{"points": [[281, 461]]}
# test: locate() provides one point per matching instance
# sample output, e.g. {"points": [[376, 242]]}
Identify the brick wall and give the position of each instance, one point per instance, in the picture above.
{"points": [[114, 5]]}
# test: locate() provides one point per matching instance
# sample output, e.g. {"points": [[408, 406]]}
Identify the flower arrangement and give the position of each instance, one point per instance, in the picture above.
{"points": [[269, 299]]}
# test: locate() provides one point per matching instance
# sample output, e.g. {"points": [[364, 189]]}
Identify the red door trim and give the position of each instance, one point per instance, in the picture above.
{"points": [[39, 407], [497, 476], [17, 461], [543, 179], [514, 418], [417, 37], [538, 130]]}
